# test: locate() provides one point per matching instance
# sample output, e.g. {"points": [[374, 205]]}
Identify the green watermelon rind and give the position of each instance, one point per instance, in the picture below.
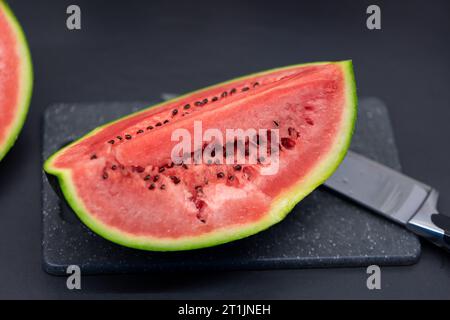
{"points": [[281, 206], [26, 81]]}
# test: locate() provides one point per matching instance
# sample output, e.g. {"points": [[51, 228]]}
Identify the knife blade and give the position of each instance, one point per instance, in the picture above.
{"points": [[392, 194]]}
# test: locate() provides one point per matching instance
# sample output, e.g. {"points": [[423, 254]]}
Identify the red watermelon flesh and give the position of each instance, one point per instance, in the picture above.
{"points": [[121, 180], [15, 79]]}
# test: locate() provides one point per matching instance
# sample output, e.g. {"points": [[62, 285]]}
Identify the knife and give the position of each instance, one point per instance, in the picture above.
{"points": [[395, 196]]}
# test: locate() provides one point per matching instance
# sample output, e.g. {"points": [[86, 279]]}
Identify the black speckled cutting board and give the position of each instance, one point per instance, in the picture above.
{"points": [[324, 230]]}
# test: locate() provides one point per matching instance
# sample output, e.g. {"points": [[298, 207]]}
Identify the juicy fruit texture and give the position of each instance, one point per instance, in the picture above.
{"points": [[15, 79], [122, 183]]}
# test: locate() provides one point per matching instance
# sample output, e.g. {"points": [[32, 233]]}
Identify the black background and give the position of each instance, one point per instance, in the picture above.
{"points": [[134, 50]]}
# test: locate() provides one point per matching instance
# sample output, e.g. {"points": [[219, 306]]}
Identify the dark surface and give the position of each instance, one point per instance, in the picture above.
{"points": [[322, 231], [129, 51]]}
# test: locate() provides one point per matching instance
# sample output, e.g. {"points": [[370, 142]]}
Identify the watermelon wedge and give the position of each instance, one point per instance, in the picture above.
{"points": [[126, 183], [16, 79]]}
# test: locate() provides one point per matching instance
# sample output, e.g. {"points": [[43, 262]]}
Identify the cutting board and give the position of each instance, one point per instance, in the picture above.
{"points": [[323, 230]]}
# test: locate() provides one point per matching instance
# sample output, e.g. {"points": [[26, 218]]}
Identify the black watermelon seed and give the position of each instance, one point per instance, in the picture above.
{"points": [[163, 186], [198, 103], [185, 166], [214, 99], [257, 139], [94, 156], [255, 84], [175, 179], [152, 186], [224, 94], [149, 127], [140, 131], [220, 175], [237, 167], [187, 106], [276, 123], [166, 121], [174, 112], [199, 189], [205, 101], [233, 91], [119, 137], [147, 177], [105, 175], [113, 167], [231, 178], [111, 141], [245, 89], [155, 178], [161, 169], [158, 124], [127, 136]]}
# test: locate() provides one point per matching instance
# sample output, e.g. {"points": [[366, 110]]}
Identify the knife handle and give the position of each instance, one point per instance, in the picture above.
{"points": [[430, 224]]}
